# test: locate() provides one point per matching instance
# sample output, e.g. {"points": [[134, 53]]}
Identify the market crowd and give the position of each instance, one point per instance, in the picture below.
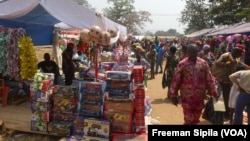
{"points": [[198, 68]]}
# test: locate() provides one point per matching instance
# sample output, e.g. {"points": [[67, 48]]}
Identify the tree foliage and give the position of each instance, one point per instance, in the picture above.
{"points": [[200, 14], [124, 13], [170, 32]]}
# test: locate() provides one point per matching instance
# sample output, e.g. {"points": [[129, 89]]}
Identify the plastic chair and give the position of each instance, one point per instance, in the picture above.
{"points": [[4, 91]]}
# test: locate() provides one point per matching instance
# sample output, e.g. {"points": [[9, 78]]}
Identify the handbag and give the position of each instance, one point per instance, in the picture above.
{"points": [[164, 80]]}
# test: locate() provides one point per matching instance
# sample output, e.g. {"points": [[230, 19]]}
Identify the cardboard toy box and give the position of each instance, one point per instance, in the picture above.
{"points": [[62, 117], [118, 116], [41, 105], [125, 85], [119, 105], [39, 126], [41, 116], [91, 98], [139, 92], [120, 96], [93, 110], [65, 90], [91, 87], [35, 94], [97, 128], [130, 137], [138, 70], [122, 127], [62, 104], [78, 127], [118, 75], [61, 128], [138, 79]]}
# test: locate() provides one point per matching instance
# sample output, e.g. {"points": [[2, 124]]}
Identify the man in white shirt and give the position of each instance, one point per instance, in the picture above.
{"points": [[242, 80]]}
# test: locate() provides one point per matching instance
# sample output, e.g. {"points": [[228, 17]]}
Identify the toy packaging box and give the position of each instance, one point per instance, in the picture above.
{"points": [[62, 104], [35, 95], [120, 96], [138, 70], [41, 105], [91, 98], [92, 87], [119, 105], [78, 127], [60, 128], [118, 116], [97, 128], [62, 117], [39, 126], [129, 137], [121, 127], [65, 90], [118, 75], [41, 116], [92, 110]]}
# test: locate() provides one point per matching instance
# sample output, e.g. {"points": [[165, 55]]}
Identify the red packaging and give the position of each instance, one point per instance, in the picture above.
{"points": [[139, 92], [47, 85], [138, 70], [140, 129], [139, 102], [128, 137], [138, 79], [139, 115], [140, 108], [140, 122]]}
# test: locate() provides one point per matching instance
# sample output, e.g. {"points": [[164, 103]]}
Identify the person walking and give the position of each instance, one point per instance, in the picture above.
{"points": [[170, 66], [68, 66], [193, 78], [152, 59]]}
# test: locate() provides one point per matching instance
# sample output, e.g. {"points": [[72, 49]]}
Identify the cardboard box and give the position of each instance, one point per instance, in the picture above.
{"points": [[64, 104], [91, 98], [122, 127], [62, 117], [61, 128], [118, 116], [39, 126], [66, 90], [118, 75], [97, 128], [119, 105], [93, 110], [87, 138], [138, 70], [138, 79], [41, 105], [91, 87], [41, 116], [139, 92]]}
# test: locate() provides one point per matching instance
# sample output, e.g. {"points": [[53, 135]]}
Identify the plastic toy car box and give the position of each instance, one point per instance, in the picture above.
{"points": [[97, 128], [39, 126], [60, 128], [118, 116], [119, 105], [92, 87]]}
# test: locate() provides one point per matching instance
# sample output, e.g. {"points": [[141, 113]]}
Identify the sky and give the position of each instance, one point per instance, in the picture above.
{"points": [[164, 13]]}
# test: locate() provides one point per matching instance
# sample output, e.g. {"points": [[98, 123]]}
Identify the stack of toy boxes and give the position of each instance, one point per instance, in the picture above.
{"points": [[64, 110], [91, 99], [40, 97], [119, 84], [120, 113], [139, 92]]}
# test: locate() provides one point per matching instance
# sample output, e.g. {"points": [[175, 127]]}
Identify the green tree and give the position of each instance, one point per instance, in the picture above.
{"points": [[195, 15], [224, 11], [124, 13]]}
